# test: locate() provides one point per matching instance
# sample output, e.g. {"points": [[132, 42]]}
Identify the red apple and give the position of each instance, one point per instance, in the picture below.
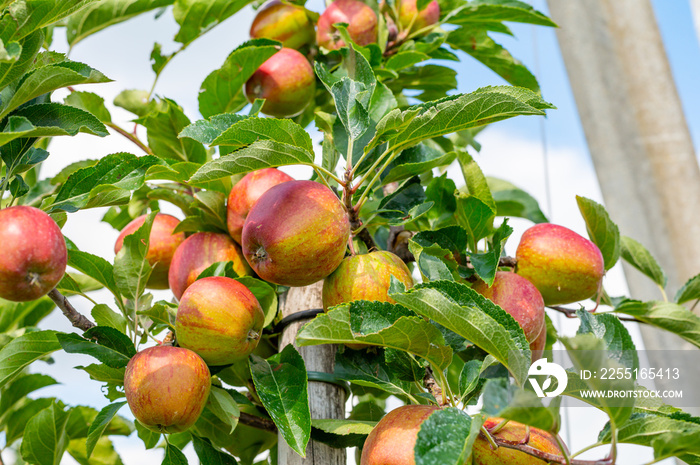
{"points": [[166, 388], [410, 17], [482, 454], [197, 253], [517, 296], [33, 253], [286, 81], [296, 233], [161, 247], [361, 20], [286, 23], [219, 319], [391, 442], [245, 193], [365, 277], [564, 266]]}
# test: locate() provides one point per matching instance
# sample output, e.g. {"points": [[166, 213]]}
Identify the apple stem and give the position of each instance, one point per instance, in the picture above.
{"points": [[77, 319], [498, 427], [351, 246]]}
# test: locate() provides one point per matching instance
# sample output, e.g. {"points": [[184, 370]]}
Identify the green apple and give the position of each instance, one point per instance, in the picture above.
{"points": [[564, 266], [284, 22], [410, 17], [33, 253], [166, 388], [219, 319], [161, 246], [296, 233]]}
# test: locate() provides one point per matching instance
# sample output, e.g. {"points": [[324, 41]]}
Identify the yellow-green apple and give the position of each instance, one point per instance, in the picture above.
{"points": [[161, 246], [166, 388], [197, 253], [284, 22], [219, 319], [296, 233], [517, 296], [286, 81], [392, 441], [413, 20], [245, 193], [33, 253], [564, 266], [361, 20], [365, 277], [482, 454]]}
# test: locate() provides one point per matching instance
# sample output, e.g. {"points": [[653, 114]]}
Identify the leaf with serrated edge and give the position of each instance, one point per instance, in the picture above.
{"points": [[639, 257], [23, 350], [601, 230], [689, 291], [45, 437], [100, 423], [446, 437]]}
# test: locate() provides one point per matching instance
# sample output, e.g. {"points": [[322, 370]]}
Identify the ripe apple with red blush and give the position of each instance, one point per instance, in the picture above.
{"points": [[360, 17], [34, 255], [285, 23], [219, 319], [286, 81], [413, 20], [197, 253], [296, 233], [163, 242], [167, 388], [563, 265], [245, 193], [483, 454]]}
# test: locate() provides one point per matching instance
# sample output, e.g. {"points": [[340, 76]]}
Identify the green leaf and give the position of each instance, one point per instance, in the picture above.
{"points": [[281, 384], [10, 71], [441, 191], [136, 101], [341, 433], [476, 183], [163, 127], [17, 315], [105, 316], [469, 376], [103, 454], [601, 230], [50, 119], [485, 11], [381, 324], [639, 257], [416, 160], [104, 13], [82, 417], [472, 316], [475, 41], [671, 317], [17, 419], [439, 254], [15, 391], [45, 438], [30, 15], [501, 399], [250, 130], [99, 425], [103, 373], [405, 204], [118, 172], [10, 53], [196, 17], [20, 161], [259, 155], [149, 437], [446, 437], [23, 350], [689, 291], [131, 268], [486, 264], [223, 406], [49, 78], [369, 369], [95, 267], [513, 201], [475, 216], [91, 103], [610, 329], [434, 80], [208, 130], [222, 90], [210, 455], [173, 456], [405, 59], [265, 294], [113, 348]]}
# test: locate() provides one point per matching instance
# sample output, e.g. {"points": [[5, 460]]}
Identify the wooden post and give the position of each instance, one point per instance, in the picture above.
{"points": [[325, 400]]}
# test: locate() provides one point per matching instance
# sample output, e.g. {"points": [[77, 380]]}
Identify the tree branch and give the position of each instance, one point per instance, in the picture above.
{"points": [[571, 313], [258, 422], [76, 318], [432, 386], [546, 456], [131, 137]]}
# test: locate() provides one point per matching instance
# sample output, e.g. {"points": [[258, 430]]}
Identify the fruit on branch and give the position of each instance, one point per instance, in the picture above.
{"points": [[219, 319], [391, 442], [413, 20], [245, 193], [537, 346], [286, 23], [286, 81], [361, 20], [517, 296], [296, 233], [365, 277], [161, 246], [564, 266], [32, 253], [166, 388], [482, 454], [197, 253]]}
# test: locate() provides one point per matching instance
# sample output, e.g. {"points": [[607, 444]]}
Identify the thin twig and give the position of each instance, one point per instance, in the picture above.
{"points": [[76, 318], [571, 313], [432, 385], [257, 422], [546, 456], [355, 221], [131, 137]]}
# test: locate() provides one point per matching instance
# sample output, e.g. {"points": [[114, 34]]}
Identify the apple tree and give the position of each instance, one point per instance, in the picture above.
{"points": [[418, 295]]}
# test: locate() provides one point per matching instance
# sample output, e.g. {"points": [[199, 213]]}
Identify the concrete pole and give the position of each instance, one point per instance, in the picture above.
{"points": [[695, 6], [638, 139]]}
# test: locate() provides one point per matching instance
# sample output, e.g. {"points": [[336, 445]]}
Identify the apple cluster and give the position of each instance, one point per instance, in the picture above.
{"points": [[286, 80]]}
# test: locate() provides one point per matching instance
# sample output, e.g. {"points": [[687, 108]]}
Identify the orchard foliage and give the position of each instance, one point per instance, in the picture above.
{"points": [[391, 123]]}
